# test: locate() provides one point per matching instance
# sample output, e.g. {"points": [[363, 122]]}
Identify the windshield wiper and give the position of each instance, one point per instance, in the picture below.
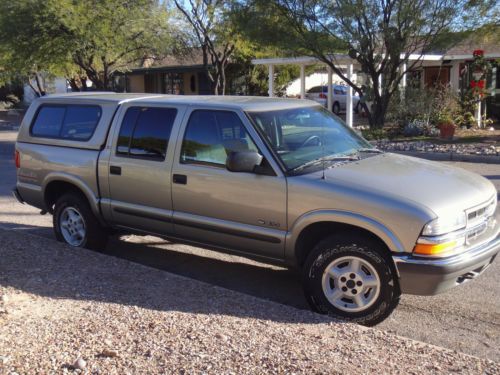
{"points": [[324, 159]]}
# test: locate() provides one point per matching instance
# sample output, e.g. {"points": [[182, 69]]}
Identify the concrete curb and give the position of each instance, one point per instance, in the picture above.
{"points": [[451, 156]]}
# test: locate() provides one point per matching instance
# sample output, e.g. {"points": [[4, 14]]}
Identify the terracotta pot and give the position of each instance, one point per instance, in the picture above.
{"points": [[446, 131]]}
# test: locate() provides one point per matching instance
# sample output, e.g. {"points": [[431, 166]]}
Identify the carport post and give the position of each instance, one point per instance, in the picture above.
{"points": [[380, 84], [348, 110], [403, 81], [329, 103], [302, 82], [271, 80]]}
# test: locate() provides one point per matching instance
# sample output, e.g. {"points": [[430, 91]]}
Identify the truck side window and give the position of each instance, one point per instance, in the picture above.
{"points": [[71, 122], [145, 132], [211, 135]]}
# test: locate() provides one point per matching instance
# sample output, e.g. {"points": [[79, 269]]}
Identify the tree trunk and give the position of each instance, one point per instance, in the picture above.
{"points": [[73, 84], [33, 88], [378, 111], [223, 79], [83, 81], [40, 84]]}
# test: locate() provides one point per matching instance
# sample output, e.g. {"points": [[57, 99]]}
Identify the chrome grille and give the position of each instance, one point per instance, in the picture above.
{"points": [[481, 214]]}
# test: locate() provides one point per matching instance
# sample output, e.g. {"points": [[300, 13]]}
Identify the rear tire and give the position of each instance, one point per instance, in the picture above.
{"points": [[76, 225], [351, 279], [336, 108]]}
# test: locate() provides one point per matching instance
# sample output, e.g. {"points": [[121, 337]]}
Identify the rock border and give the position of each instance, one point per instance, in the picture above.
{"points": [[451, 156]]}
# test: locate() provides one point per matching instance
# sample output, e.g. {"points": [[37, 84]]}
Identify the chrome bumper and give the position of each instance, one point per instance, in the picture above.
{"points": [[424, 276]]}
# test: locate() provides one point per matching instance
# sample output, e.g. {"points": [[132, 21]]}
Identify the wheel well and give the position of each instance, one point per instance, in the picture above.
{"points": [[56, 189], [314, 233]]}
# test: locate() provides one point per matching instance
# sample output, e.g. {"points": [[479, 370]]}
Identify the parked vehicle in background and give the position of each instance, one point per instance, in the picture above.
{"points": [[281, 180], [339, 103]]}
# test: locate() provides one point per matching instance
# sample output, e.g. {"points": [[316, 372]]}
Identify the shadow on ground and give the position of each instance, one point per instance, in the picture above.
{"points": [[44, 267]]}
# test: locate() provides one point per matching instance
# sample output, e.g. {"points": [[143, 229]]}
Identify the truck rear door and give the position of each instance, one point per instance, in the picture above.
{"points": [[140, 162]]}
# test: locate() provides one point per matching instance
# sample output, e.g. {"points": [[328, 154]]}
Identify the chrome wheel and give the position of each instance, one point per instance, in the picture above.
{"points": [[72, 226], [351, 284]]}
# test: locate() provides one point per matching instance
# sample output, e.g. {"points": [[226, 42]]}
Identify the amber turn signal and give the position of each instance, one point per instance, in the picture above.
{"points": [[434, 249]]}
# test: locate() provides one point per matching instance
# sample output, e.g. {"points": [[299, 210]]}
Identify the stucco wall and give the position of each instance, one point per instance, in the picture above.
{"points": [[136, 83]]}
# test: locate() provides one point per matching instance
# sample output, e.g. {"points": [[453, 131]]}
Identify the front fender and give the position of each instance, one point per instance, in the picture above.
{"points": [[378, 229]]}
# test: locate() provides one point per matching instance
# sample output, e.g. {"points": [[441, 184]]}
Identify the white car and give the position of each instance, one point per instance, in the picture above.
{"points": [[320, 95]]}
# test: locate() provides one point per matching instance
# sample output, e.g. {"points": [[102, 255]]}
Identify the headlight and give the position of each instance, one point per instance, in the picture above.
{"points": [[440, 237], [445, 224], [491, 208]]}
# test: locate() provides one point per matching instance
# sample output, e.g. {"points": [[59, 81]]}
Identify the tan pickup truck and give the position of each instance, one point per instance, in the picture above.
{"points": [[284, 181]]}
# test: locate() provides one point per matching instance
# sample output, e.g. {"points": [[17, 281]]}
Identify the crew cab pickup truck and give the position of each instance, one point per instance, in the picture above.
{"points": [[284, 181]]}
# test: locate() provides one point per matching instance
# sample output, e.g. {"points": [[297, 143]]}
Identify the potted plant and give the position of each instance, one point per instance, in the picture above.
{"points": [[446, 126]]}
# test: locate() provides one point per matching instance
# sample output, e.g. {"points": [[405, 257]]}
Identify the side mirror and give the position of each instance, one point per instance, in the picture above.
{"points": [[243, 161]]}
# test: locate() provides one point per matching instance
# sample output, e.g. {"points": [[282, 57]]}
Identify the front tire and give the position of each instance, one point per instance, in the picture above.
{"points": [[351, 279], [75, 224]]}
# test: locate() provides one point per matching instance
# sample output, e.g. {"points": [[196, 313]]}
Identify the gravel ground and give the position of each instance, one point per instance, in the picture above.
{"points": [[492, 149], [65, 308]]}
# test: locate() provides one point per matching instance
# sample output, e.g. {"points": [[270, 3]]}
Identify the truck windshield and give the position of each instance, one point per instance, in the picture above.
{"points": [[299, 136]]}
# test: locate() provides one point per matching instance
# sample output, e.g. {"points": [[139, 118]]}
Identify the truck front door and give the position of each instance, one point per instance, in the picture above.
{"points": [[239, 211]]}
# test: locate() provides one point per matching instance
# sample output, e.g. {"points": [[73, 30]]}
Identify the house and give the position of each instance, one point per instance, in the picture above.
{"points": [[448, 66], [181, 74]]}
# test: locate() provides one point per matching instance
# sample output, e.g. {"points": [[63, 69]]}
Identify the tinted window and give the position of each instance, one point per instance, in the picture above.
{"points": [[67, 122], [145, 132], [211, 135], [80, 122], [315, 89], [48, 122], [126, 130]]}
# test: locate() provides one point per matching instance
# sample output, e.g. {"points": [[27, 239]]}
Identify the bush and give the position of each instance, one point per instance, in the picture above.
{"points": [[11, 94], [374, 134], [414, 105]]}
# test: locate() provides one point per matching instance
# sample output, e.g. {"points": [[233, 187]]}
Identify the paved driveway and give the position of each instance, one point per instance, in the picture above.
{"points": [[465, 319]]}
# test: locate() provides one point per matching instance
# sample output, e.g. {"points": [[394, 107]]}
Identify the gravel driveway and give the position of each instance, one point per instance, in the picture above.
{"points": [[466, 319], [64, 307]]}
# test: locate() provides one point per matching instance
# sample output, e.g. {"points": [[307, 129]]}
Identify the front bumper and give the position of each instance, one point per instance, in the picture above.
{"points": [[424, 276]]}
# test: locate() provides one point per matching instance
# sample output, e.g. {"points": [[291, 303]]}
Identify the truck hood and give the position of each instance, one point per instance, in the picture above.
{"points": [[441, 188]]}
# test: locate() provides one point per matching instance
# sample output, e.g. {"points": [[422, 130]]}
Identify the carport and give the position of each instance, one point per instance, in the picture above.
{"points": [[350, 65]]}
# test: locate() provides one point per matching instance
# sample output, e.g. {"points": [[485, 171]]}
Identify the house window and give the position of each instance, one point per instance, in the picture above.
{"points": [[192, 83], [174, 83], [414, 77]]}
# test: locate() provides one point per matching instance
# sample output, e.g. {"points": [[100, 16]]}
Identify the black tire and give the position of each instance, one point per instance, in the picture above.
{"points": [[336, 108], [338, 246], [95, 237]]}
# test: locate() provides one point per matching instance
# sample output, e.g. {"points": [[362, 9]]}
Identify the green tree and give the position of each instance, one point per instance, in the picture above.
{"points": [[379, 34], [213, 34], [29, 43], [84, 39]]}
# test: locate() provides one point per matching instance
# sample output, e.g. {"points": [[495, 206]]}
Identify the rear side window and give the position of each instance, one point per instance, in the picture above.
{"points": [[72, 122], [145, 132]]}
